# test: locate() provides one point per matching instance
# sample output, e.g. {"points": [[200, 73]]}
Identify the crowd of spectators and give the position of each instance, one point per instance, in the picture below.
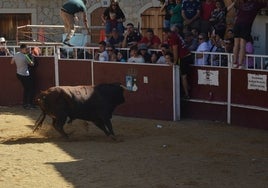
{"points": [[200, 23]]}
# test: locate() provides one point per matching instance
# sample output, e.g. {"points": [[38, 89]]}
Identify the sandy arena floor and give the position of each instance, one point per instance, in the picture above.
{"points": [[148, 154]]}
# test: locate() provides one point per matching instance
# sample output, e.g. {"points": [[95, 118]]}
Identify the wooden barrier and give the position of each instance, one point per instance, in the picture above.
{"points": [[154, 99], [11, 90], [217, 93], [242, 105]]}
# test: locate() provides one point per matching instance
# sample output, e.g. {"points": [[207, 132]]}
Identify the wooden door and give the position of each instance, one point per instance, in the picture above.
{"points": [[152, 18], [96, 21]]}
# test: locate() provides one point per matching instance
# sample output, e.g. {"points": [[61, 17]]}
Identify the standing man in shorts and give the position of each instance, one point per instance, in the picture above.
{"points": [[67, 13], [247, 11], [181, 56]]}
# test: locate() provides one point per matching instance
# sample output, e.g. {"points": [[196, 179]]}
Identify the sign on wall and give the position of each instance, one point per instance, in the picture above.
{"points": [[208, 77], [257, 82]]}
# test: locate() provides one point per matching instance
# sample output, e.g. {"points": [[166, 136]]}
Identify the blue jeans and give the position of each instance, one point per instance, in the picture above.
{"points": [[109, 26]]}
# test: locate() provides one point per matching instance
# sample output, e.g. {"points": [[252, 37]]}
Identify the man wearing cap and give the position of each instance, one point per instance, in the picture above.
{"points": [[67, 13], [22, 61], [3, 48]]}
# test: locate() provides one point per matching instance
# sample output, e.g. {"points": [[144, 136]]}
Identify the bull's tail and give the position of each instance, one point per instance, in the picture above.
{"points": [[39, 121]]}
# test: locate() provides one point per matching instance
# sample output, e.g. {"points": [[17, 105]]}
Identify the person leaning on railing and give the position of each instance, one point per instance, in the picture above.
{"points": [[3, 48], [181, 56]]}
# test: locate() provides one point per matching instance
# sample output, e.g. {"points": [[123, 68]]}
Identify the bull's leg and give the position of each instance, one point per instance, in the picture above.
{"points": [[100, 124], [58, 124], [39, 121], [109, 125]]}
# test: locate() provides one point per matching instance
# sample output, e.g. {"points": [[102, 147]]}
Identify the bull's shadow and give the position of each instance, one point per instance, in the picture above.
{"points": [[95, 157]]}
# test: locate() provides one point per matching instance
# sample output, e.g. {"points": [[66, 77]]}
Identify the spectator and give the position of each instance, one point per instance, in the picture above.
{"points": [[249, 61], [181, 56], [131, 37], [228, 46], [121, 57], [229, 33], [191, 13], [247, 11], [154, 57], [176, 17], [68, 11], [169, 59], [102, 54], [135, 57], [86, 53], [207, 7], [216, 46], [218, 17], [143, 50], [195, 32], [201, 58], [32, 54], [111, 52], [113, 55], [151, 40], [167, 6], [3, 47], [113, 17], [190, 42], [164, 50], [22, 61], [36, 51], [116, 40]]}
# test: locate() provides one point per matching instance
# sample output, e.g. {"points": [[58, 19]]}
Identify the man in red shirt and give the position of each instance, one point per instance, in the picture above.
{"points": [[151, 40], [207, 7], [181, 56]]}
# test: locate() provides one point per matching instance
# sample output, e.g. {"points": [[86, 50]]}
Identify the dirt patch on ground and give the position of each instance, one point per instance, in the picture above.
{"points": [[148, 153]]}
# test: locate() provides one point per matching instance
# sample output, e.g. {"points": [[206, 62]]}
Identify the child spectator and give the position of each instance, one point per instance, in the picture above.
{"points": [[143, 50], [135, 57], [102, 54], [154, 57]]}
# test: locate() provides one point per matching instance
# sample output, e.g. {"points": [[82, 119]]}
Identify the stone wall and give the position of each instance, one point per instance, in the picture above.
{"points": [[48, 11]]}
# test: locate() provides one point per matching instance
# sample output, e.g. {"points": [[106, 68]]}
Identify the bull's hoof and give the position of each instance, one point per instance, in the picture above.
{"points": [[114, 138]]}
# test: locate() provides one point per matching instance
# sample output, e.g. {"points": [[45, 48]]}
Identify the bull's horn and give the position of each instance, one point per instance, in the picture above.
{"points": [[124, 87]]}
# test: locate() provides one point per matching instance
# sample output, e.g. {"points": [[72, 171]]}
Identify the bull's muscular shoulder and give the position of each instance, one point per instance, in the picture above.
{"points": [[79, 93]]}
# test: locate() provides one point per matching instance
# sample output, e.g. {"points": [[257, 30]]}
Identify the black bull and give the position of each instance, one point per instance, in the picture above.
{"points": [[90, 103]]}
